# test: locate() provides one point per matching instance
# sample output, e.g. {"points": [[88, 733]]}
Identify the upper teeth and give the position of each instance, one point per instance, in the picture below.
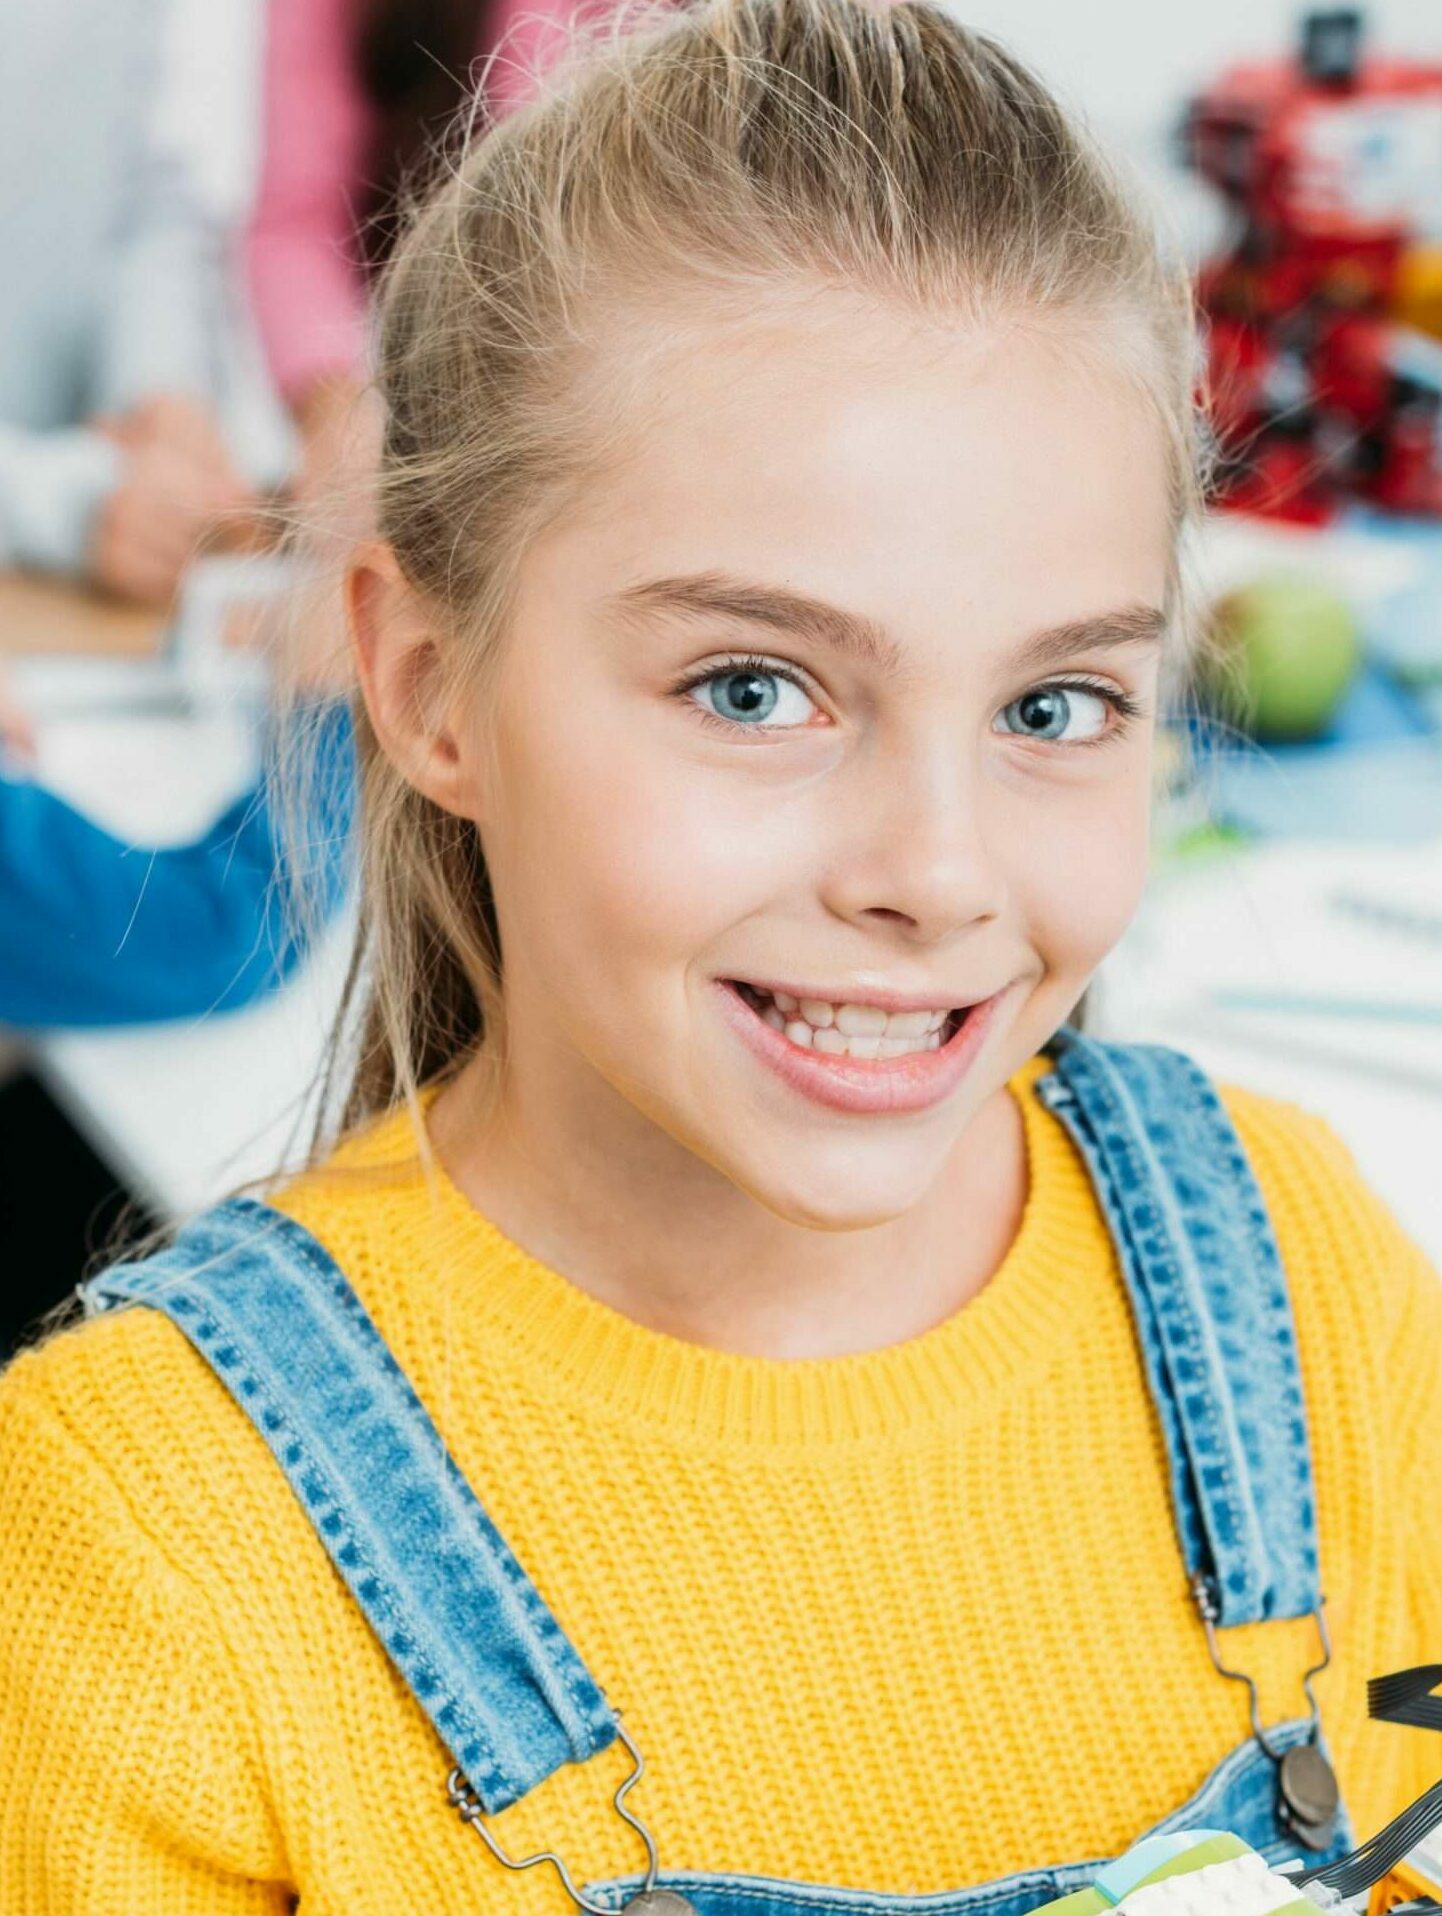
{"points": [[860, 1030], [860, 1021]]}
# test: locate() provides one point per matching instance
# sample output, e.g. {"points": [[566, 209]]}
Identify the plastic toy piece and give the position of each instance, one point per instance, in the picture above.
{"points": [[1213, 1873], [1190, 1873], [1411, 1885], [1325, 380]]}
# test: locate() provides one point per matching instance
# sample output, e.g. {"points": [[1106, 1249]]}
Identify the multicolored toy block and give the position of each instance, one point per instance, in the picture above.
{"points": [[1191, 1873]]}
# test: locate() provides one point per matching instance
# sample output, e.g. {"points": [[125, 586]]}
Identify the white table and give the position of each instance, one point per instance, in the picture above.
{"points": [[1264, 922], [186, 1113]]}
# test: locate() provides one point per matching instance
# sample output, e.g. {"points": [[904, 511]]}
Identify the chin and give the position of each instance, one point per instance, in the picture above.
{"points": [[840, 1190]]}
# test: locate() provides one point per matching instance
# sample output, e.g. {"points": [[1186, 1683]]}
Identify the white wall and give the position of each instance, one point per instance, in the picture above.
{"points": [[1130, 63]]}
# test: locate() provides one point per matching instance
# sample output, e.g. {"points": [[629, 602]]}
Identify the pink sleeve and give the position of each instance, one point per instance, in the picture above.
{"points": [[530, 34], [306, 284]]}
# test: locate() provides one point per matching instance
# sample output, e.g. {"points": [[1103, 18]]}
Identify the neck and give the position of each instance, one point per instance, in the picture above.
{"points": [[602, 1209]]}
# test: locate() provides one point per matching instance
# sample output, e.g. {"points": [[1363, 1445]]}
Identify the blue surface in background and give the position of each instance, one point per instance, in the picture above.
{"points": [[1378, 708], [1376, 773], [1405, 634]]}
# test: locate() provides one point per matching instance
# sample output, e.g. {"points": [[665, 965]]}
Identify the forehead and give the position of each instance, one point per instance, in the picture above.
{"points": [[912, 472]]}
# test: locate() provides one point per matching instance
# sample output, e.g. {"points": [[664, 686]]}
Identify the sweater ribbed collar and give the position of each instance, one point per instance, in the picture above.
{"points": [[504, 1309]]}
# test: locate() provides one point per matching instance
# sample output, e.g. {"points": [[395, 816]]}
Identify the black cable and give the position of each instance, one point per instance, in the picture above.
{"points": [[1405, 1697]]}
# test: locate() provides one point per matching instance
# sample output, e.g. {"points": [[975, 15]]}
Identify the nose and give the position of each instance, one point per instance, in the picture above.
{"points": [[910, 845]]}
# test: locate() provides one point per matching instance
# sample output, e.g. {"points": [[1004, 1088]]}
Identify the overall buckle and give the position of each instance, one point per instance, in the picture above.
{"points": [[1308, 1798], [648, 1901]]}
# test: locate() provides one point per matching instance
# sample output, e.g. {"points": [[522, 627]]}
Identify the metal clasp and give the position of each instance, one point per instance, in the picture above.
{"points": [[1308, 1799], [1209, 1609], [467, 1805]]}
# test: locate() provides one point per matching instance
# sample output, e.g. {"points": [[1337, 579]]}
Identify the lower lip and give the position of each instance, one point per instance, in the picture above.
{"points": [[873, 1086]]}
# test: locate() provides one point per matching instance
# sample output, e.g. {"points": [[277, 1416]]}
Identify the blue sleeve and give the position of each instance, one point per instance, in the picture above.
{"points": [[97, 932]]}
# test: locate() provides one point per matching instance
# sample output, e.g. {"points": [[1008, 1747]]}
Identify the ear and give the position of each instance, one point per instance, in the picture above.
{"points": [[401, 666]]}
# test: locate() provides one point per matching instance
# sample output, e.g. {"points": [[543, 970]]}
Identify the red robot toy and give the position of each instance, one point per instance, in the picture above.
{"points": [[1324, 385]]}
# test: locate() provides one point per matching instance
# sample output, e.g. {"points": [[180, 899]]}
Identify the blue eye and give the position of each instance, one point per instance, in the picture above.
{"points": [[1072, 714], [751, 693]]}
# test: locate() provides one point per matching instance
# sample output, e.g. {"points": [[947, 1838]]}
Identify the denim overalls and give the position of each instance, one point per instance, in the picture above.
{"points": [[510, 1698]]}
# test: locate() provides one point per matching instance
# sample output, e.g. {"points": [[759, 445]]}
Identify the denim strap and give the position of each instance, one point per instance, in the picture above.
{"points": [[1212, 1312], [273, 1315]]}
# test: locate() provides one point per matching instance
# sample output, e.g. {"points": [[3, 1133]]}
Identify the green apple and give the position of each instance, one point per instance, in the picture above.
{"points": [[1286, 648]]}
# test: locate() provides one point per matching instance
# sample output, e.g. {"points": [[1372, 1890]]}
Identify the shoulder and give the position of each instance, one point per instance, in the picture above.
{"points": [[1320, 1202], [1365, 1301], [121, 1407], [127, 1391], [381, 1208], [100, 1501], [1334, 1230], [121, 1414], [130, 1387], [1361, 1289], [75, 1371], [1365, 1296], [119, 1669], [128, 1467], [1367, 1304]]}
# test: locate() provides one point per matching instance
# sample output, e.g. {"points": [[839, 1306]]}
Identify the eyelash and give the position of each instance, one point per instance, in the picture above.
{"points": [[1122, 703], [1127, 709], [742, 662]]}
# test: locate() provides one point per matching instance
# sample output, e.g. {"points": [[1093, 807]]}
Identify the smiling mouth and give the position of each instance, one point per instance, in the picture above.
{"points": [[852, 1030]]}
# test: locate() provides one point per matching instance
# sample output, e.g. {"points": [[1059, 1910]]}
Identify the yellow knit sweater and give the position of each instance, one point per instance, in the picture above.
{"points": [[903, 1621]]}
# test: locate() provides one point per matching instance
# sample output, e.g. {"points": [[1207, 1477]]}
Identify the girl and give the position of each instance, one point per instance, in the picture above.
{"points": [[745, 1328]]}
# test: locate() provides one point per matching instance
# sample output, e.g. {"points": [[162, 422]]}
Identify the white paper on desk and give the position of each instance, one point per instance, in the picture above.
{"points": [[51, 686], [1263, 925], [149, 780], [212, 668], [1230, 549], [1270, 923]]}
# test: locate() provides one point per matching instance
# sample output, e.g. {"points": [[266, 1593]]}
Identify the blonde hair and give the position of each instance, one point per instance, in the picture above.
{"points": [[707, 156]]}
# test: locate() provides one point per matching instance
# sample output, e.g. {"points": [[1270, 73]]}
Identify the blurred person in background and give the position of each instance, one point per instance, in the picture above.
{"points": [[137, 425], [134, 420], [357, 95], [97, 931]]}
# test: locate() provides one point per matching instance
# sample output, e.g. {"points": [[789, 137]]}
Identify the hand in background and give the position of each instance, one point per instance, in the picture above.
{"points": [[17, 734], [177, 489]]}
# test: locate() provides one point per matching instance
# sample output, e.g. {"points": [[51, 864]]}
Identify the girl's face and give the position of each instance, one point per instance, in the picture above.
{"points": [[839, 692]]}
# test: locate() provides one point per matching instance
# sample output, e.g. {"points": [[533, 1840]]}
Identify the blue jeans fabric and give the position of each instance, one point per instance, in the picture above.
{"points": [[1205, 1278], [1237, 1796], [507, 1692], [271, 1312]]}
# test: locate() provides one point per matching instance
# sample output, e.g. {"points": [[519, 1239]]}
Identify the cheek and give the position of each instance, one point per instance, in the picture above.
{"points": [[1079, 875], [627, 854]]}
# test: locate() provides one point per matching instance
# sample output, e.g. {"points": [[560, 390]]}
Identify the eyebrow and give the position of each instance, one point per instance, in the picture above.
{"points": [[721, 595]]}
